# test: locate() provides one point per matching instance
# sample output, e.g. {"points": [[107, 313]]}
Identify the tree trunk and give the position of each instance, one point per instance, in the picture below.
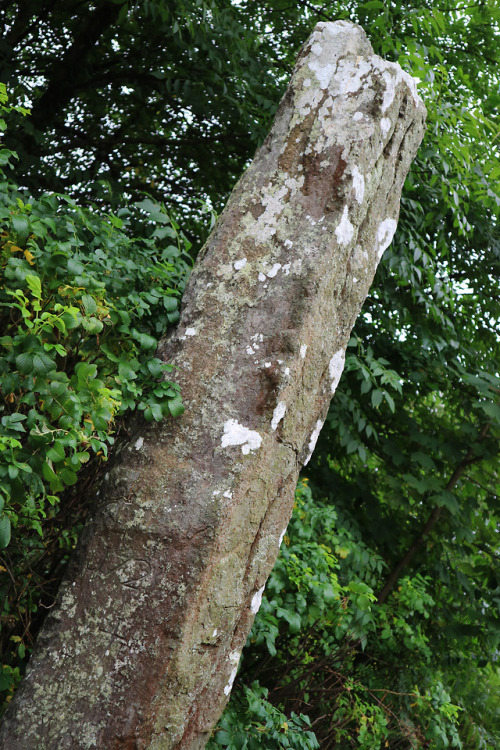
{"points": [[143, 646]]}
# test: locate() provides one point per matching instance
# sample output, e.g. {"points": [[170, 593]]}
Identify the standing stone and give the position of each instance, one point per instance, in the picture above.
{"points": [[144, 644]]}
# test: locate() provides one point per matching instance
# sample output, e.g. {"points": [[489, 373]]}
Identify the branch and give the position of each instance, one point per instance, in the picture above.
{"points": [[434, 517]]}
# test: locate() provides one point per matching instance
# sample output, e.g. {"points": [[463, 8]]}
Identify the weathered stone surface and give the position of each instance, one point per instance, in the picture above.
{"points": [[143, 647]]}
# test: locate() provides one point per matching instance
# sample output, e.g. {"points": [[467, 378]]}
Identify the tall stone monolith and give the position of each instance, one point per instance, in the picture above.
{"points": [[143, 646]]}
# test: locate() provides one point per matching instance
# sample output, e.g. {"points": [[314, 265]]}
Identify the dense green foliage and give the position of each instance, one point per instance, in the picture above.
{"points": [[381, 622], [122, 98]]}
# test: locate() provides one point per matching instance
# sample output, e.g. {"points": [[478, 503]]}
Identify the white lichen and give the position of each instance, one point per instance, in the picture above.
{"points": [[257, 600], [303, 350], [278, 415], [237, 434], [345, 229], [392, 75], [232, 678], [358, 183], [385, 125], [274, 270], [262, 276], [314, 439], [188, 332], [239, 264], [274, 199], [385, 233], [335, 368], [324, 64], [139, 443]]}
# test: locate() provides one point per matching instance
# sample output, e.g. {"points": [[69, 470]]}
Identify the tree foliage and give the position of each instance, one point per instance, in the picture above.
{"points": [[381, 622]]}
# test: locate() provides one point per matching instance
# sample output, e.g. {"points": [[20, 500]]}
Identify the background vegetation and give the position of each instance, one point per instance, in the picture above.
{"points": [[381, 621]]}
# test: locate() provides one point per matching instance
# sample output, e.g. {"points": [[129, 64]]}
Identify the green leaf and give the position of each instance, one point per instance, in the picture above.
{"points": [[5, 531], [490, 408], [24, 363], [13, 471], [155, 367], [92, 325], [447, 500], [176, 407], [89, 304], [156, 412], [13, 421], [51, 477], [146, 341], [170, 303], [75, 268], [56, 452], [35, 285], [67, 475], [21, 227], [362, 602], [6, 680], [42, 363], [85, 372], [126, 371]]}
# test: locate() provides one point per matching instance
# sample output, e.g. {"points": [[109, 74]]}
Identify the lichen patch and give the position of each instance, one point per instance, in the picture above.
{"points": [[385, 233], [392, 75], [358, 183], [314, 439], [257, 600], [278, 414], [273, 200], [274, 270], [236, 434], [335, 368], [188, 332], [234, 658], [385, 125], [345, 230]]}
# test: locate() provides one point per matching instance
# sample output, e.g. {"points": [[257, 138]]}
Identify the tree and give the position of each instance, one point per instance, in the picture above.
{"points": [[190, 520]]}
